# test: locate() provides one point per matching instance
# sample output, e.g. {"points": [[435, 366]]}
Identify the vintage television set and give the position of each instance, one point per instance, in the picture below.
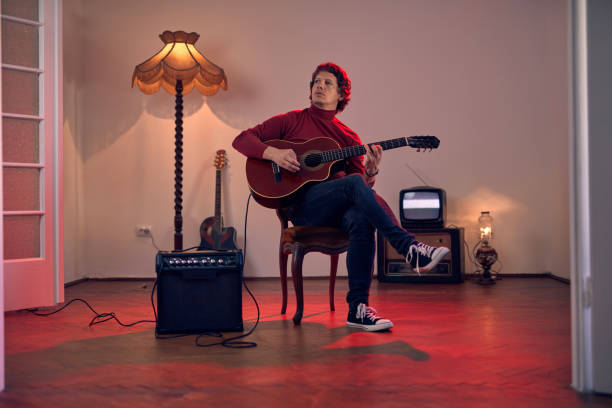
{"points": [[422, 211], [422, 207]]}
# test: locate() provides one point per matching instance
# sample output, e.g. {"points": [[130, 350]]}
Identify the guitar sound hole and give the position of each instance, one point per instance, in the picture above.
{"points": [[312, 160]]}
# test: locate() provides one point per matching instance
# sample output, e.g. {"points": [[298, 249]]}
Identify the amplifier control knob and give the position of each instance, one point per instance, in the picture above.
{"points": [[220, 261]]}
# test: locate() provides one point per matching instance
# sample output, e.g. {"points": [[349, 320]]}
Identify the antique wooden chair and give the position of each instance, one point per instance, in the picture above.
{"points": [[298, 241]]}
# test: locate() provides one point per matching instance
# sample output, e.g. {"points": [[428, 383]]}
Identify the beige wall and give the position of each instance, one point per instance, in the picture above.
{"points": [[489, 78]]}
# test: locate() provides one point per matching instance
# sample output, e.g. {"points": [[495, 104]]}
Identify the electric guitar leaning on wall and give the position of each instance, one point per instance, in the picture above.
{"points": [[275, 187], [213, 234]]}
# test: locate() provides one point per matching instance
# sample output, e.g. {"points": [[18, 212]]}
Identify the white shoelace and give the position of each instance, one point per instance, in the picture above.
{"points": [[420, 249], [363, 311]]}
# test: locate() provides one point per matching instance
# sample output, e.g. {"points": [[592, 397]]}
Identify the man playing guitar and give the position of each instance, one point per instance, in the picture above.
{"points": [[346, 199]]}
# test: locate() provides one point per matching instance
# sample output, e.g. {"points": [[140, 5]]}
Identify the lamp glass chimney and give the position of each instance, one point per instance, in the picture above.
{"points": [[485, 221]]}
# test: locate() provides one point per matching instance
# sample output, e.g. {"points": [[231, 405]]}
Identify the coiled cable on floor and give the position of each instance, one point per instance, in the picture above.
{"points": [[229, 342], [97, 319]]}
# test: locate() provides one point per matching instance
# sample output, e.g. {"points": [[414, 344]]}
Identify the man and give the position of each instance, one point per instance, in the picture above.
{"points": [[346, 200]]}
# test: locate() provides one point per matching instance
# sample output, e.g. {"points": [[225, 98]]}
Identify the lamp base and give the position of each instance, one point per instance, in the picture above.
{"points": [[486, 278], [485, 281], [486, 256]]}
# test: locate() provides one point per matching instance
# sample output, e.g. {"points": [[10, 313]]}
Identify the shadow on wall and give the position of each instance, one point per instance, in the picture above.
{"points": [[119, 108], [240, 106], [116, 107], [236, 107]]}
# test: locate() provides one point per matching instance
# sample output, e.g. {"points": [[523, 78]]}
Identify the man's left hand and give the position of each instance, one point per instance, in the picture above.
{"points": [[373, 158]]}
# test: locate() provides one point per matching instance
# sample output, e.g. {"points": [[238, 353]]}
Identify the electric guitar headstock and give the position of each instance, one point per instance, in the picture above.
{"points": [[423, 142], [220, 159]]}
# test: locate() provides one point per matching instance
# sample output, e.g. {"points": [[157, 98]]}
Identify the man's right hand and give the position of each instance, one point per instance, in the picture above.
{"points": [[285, 158]]}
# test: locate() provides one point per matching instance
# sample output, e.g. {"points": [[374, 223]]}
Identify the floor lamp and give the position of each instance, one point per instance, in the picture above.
{"points": [[178, 68]]}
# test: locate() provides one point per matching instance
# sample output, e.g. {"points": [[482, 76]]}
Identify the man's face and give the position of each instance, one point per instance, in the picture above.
{"points": [[324, 93]]}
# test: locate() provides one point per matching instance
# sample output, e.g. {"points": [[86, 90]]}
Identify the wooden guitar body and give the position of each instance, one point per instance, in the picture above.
{"points": [[225, 239], [276, 191]]}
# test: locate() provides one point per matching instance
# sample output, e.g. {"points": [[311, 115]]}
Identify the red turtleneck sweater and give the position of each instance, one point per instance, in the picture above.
{"points": [[300, 126]]}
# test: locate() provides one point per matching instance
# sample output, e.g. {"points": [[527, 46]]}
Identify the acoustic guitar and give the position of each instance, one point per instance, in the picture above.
{"points": [[212, 232], [275, 187]]}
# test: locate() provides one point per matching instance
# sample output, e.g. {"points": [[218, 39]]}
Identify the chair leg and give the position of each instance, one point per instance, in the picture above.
{"points": [[333, 270], [296, 272], [282, 259]]}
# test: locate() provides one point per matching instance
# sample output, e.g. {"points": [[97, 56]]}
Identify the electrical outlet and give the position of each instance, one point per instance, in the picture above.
{"points": [[143, 230]]}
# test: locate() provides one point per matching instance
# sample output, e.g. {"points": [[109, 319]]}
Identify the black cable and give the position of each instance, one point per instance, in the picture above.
{"points": [[185, 250], [95, 320], [470, 254], [465, 244], [34, 312], [231, 342], [153, 303]]}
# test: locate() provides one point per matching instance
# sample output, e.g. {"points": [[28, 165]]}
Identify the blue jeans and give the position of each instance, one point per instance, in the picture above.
{"points": [[349, 203]]}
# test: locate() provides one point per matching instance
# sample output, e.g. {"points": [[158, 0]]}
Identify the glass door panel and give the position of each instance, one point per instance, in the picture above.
{"points": [[22, 49], [22, 236], [21, 189], [20, 141], [20, 92], [26, 9]]}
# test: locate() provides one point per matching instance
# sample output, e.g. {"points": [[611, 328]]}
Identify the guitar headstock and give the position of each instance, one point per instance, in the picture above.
{"points": [[220, 159], [423, 142]]}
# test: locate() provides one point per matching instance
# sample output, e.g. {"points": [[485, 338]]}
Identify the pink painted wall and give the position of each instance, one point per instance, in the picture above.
{"points": [[490, 79]]}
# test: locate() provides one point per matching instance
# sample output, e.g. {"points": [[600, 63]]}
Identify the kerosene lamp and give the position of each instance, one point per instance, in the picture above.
{"points": [[486, 254]]}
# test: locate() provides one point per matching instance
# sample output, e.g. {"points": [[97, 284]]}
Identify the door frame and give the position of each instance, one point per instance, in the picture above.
{"points": [[50, 265]]}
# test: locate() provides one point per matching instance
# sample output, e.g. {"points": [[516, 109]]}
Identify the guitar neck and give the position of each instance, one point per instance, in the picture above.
{"points": [[218, 225], [350, 151]]}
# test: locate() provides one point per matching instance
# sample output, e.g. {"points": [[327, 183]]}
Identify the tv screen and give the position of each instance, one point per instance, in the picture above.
{"points": [[422, 207]]}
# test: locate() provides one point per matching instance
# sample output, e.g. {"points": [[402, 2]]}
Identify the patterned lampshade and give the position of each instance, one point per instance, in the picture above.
{"points": [[179, 60]]}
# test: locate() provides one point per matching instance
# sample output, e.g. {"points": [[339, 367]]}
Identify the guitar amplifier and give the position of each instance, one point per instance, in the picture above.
{"points": [[392, 266], [199, 291]]}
